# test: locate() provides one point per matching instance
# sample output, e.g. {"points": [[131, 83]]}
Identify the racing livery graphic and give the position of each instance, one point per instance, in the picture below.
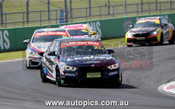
{"points": [[150, 30], [79, 60], [81, 30], [39, 43]]}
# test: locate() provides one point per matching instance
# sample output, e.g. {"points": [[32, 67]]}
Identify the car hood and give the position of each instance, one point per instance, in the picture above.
{"points": [[143, 30], [39, 47], [80, 36], [89, 60]]}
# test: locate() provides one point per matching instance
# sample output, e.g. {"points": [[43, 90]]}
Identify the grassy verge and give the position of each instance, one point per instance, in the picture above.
{"points": [[110, 43], [12, 55]]}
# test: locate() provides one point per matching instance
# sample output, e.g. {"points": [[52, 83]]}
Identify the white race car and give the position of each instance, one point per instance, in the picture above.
{"points": [[39, 42]]}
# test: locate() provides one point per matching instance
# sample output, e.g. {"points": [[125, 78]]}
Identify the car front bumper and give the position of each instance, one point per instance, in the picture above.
{"points": [[134, 40], [82, 78], [33, 61]]}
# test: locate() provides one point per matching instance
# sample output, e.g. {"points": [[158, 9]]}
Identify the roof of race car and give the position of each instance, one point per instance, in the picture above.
{"points": [[66, 26], [75, 26], [49, 29], [75, 39], [144, 18]]}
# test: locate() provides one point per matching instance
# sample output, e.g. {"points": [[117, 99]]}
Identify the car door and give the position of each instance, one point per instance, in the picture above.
{"points": [[165, 29], [53, 59], [48, 58]]}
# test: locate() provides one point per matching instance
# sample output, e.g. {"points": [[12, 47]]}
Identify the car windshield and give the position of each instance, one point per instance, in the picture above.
{"points": [[45, 38], [78, 32], [146, 24], [82, 48], [48, 36]]}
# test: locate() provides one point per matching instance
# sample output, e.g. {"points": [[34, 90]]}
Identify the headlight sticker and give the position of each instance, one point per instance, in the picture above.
{"points": [[69, 68], [114, 66], [33, 53]]}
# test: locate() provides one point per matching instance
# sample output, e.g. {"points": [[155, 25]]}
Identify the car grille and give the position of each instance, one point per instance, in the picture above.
{"points": [[92, 69], [85, 70], [141, 34]]}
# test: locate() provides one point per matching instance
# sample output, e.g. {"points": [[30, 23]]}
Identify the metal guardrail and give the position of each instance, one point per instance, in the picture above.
{"points": [[48, 17]]}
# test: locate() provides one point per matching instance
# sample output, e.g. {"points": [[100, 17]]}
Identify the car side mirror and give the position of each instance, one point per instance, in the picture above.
{"points": [[130, 26], [110, 51], [27, 41], [93, 33]]}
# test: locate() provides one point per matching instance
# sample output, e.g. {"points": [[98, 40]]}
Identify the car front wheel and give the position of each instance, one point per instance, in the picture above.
{"points": [[43, 76], [117, 81], [172, 40], [58, 78]]}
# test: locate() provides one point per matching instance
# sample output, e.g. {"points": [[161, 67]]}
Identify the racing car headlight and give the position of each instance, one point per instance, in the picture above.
{"points": [[114, 66], [129, 34], [69, 68], [31, 53], [155, 32]]}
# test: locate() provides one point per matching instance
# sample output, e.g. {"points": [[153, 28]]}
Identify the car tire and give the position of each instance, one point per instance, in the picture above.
{"points": [[161, 39], [28, 67], [43, 76], [58, 78], [116, 82], [172, 40]]}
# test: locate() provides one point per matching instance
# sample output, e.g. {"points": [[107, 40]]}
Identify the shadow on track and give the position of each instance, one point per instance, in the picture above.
{"points": [[95, 86]]}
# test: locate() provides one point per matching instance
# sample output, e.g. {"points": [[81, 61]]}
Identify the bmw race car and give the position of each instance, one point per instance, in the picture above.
{"points": [[39, 43], [81, 30], [79, 60], [150, 30]]}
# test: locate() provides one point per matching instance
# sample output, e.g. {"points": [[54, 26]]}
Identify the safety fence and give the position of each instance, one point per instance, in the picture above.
{"points": [[78, 10]]}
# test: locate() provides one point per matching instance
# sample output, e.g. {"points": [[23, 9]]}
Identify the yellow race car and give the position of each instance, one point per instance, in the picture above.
{"points": [[150, 30]]}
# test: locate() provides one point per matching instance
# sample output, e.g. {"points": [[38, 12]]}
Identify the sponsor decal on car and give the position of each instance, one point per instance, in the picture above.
{"points": [[32, 48], [149, 20], [89, 58], [50, 33], [80, 43]]}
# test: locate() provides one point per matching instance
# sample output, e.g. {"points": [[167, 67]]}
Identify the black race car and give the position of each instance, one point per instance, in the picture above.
{"points": [[150, 30], [80, 60]]}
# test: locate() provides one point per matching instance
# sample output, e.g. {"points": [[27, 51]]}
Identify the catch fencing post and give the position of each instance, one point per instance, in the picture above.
{"points": [[1, 12], [125, 6], [71, 11], [48, 6], [108, 8], [156, 6], [170, 5], [27, 12], [141, 4], [89, 9], [65, 12]]}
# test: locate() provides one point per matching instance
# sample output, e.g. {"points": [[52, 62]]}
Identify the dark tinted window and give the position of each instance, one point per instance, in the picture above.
{"points": [[147, 23], [78, 32], [80, 48]]}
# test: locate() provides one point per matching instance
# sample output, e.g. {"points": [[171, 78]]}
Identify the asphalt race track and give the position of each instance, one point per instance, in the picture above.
{"points": [[21, 88]]}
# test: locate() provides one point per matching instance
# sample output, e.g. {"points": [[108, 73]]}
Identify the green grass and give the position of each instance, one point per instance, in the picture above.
{"points": [[20, 5], [12, 55], [110, 43]]}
